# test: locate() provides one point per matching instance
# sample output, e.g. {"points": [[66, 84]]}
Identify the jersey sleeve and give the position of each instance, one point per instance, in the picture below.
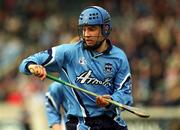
{"points": [[52, 59], [123, 83], [53, 102]]}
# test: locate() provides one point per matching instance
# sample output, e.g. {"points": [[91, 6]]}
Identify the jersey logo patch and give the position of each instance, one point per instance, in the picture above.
{"points": [[82, 61]]}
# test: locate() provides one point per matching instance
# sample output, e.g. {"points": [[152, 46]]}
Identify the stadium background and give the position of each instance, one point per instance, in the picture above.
{"points": [[147, 30]]}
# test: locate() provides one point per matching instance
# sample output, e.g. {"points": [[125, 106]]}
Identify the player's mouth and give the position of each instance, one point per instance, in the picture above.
{"points": [[89, 42]]}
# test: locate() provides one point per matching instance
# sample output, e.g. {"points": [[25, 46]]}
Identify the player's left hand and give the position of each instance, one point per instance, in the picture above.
{"points": [[101, 100], [38, 71]]}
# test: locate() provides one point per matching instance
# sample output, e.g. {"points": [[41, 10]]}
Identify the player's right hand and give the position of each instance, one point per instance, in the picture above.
{"points": [[101, 100], [38, 71]]}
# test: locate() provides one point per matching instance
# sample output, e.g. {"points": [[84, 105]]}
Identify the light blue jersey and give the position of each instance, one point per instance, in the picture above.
{"points": [[101, 73]]}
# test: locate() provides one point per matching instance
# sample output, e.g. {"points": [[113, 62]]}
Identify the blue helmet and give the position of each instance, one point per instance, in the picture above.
{"points": [[95, 15]]}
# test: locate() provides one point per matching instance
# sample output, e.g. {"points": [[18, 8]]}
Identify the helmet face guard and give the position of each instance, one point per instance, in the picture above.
{"points": [[93, 16], [80, 30], [98, 43]]}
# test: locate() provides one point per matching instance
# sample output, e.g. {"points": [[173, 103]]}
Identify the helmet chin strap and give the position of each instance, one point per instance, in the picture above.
{"points": [[92, 48]]}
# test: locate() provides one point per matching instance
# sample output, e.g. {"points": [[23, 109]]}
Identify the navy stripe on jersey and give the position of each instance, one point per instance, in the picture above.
{"points": [[49, 58], [77, 95], [51, 100], [126, 79], [81, 102]]}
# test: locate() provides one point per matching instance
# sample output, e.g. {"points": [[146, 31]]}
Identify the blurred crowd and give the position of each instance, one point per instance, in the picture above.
{"points": [[147, 30]]}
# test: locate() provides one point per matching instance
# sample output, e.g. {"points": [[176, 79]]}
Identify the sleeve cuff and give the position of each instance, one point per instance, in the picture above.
{"points": [[29, 63]]}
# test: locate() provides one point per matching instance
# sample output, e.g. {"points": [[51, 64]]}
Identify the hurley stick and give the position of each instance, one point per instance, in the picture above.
{"points": [[134, 110]]}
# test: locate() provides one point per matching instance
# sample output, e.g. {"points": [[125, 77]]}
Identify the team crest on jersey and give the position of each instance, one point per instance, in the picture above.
{"points": [[82, 61], [108, 67]]}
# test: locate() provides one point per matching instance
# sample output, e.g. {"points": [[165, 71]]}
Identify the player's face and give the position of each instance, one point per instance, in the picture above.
{"points": [[92, 35]]}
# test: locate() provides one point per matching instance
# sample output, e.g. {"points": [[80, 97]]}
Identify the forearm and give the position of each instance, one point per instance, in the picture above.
{"points": [[38, 58]]}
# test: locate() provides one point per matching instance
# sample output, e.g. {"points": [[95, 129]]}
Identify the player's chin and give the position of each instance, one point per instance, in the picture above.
{"points": [[89, 46]]}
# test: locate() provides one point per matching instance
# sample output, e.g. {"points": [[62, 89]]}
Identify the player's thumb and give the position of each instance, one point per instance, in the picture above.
{"points": [[32, 68]]}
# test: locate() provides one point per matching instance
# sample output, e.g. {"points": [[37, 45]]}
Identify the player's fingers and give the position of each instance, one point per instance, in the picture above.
{"points": [[43, 76], [97, 100], [106, 96], [38, 70], [31, 68], [101, 101]]}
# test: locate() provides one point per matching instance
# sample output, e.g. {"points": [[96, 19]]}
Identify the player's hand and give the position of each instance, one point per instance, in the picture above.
{"points": [[101, 100], [57, 127], [38, 71]]}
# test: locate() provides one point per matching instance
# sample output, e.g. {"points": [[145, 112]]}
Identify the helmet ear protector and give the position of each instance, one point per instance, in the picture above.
{"points": [[106, 29], [95, 15]]}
